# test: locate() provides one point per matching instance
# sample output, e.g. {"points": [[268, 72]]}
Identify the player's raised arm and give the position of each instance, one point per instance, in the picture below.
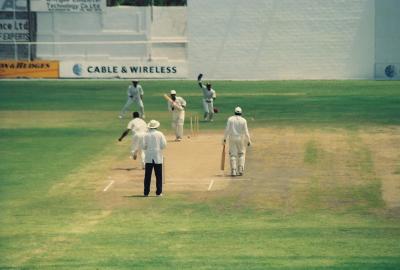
{"points": [[199, 77]]}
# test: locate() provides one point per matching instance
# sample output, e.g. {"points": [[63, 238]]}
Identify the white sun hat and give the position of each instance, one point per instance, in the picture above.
{"points": [[238, 110], [173, 92], [153, 124]]}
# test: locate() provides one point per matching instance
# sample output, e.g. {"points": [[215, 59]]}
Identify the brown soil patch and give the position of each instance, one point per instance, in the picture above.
{"points": [[191, 165], [277, 175]]}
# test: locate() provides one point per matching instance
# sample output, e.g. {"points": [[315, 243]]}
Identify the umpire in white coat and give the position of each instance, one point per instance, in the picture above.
{"points": [[153, 144], [238, 134], [177, 107]]}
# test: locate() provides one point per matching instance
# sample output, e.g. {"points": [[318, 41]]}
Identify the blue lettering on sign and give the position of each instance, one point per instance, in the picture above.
{"points": [[102, 69], [77, 69], [153, 69]]}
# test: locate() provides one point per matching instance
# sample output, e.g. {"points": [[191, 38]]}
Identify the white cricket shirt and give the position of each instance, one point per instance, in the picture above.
{"points": [[153, 144], [135, 92], [208, 94], [179, 101], [137, 125], [236, 127]]}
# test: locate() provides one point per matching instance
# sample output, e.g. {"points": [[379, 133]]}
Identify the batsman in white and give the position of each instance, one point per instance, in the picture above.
{"points": [[135, 95], [177, 107], [238, 134], [139, 128], [209, 95]]}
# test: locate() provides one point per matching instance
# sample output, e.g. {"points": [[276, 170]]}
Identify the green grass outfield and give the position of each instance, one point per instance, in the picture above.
{"points": [[56, 136]]}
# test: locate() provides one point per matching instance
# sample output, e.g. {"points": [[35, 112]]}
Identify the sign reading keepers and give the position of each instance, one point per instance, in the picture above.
{"points": [[119, 69], [68, 5]]}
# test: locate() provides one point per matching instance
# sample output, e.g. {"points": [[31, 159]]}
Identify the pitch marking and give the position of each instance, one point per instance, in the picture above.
{"points": [[185, 183], [233, 179], [109, 185]]}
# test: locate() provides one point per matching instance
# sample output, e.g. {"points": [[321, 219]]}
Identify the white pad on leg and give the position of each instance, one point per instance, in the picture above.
{"points": [[241, 162], [233, 164], [179, 130]]}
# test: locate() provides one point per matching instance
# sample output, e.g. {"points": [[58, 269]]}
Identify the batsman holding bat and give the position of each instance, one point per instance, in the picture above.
{"points": [[209, 95], [238, 134], [177, 105]]}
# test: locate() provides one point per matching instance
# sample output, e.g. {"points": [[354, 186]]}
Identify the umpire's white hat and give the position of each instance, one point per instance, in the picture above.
{"points": [[238, 110], [153, 124]]}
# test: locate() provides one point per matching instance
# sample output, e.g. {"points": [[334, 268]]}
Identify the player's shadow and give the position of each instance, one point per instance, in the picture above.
{"points": [[139, 196], [125, 169], [173, 141]]}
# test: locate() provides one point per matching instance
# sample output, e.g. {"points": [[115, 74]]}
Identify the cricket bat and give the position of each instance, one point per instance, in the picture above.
{"points": [[223, 158], [168, 98]]}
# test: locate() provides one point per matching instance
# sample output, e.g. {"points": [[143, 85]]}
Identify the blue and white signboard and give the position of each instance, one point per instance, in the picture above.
{"points": [[125, 69]]}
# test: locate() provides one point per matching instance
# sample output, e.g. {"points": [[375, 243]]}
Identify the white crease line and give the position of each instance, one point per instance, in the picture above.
{"points": [[211, 184], [109, 185], [203, 182], [234, 179], [185, 183]]}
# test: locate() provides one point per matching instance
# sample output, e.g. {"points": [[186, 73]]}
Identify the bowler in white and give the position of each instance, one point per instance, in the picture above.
{"points": [[139, 128]]}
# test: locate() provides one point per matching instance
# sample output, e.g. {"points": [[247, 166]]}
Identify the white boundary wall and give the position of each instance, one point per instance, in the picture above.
{"points": [[282, 39], [116, 42], [224, 39], [387, 39]]}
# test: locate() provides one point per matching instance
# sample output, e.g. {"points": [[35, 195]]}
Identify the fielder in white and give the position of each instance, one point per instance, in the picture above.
{"points": [[238, 134], [209, 95], [135, 95], [177, 107], [139, 128]]}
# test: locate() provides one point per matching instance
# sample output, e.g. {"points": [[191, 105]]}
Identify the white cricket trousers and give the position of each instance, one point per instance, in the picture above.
{"points": [[208, 106], [138, 103], [136, 148], [178, 119], [237, 154]]}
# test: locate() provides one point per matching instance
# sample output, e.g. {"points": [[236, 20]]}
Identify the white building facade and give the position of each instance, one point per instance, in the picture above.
{"points": [[224, 39]]}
